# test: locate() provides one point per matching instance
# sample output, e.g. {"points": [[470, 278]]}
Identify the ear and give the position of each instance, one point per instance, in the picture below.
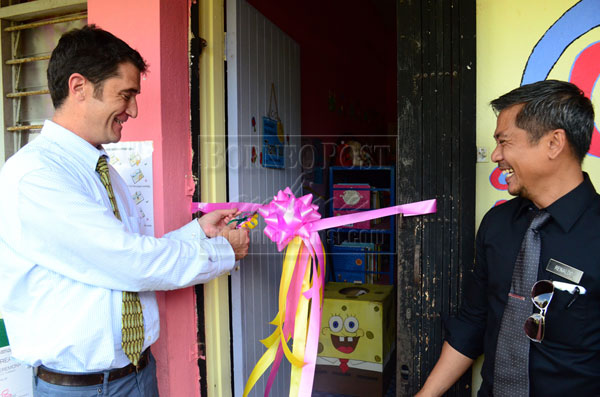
{"points": [[77, 86], [557, 143]]}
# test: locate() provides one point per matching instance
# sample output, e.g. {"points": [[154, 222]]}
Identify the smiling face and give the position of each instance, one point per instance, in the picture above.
{"points": [[345, 333], [522, 162], [108, 108]]}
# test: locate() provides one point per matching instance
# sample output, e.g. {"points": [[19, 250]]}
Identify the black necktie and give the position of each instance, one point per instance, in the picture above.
{"points": [[511, 369]]}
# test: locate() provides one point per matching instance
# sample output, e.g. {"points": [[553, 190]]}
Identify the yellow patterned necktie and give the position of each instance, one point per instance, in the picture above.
{"points": [[132, 318]]}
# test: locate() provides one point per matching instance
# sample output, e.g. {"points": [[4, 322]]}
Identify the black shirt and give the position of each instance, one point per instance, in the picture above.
{"points": [[567, 361]]}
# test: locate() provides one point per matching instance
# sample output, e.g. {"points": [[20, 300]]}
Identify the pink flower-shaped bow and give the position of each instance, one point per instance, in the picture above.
{"points": [[287, 216]]}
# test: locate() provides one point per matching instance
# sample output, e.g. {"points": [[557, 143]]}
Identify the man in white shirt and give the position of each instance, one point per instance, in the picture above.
{"points": [[69, 248]]}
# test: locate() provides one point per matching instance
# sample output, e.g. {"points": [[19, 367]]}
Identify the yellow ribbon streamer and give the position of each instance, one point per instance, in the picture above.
{"points": [[261, 366], [289, 263], [300, 331], [272, 342]]}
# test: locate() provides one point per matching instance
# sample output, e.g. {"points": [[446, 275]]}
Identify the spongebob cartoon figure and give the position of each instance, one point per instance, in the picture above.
{"points": [[357, 338]]}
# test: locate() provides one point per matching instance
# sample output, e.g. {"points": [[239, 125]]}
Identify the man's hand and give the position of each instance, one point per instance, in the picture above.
{"points": [[239, 240], [214, 222]]}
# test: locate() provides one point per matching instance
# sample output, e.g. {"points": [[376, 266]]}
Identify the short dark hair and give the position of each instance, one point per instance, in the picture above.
{"points": [[94, 53], [550, 105]]}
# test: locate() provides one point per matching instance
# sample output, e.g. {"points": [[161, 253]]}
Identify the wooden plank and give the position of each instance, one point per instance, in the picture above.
{"points": [[27, 93], [409, 187], [38, 24], [465, 80], [436, 143], [430, 177], [41, 9], [27, 60], [18, 128]]}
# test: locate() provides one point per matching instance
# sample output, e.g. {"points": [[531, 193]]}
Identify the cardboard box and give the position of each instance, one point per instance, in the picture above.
{"points": [[358, 337], [365, 314], [331, 380]]}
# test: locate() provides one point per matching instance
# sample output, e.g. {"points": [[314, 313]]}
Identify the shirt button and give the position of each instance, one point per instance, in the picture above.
{"points": [[143, 307], [148, 339]]}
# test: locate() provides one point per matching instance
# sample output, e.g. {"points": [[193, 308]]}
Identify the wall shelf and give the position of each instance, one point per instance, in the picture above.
{"points": [[364, 252]]}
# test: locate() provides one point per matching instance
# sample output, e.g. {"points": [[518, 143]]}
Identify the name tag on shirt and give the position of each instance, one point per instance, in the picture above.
{"points": [[564, 270]]}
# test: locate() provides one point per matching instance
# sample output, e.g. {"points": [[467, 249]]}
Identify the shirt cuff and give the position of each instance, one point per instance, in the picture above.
{"points": [[464, 338], [225, 256]]}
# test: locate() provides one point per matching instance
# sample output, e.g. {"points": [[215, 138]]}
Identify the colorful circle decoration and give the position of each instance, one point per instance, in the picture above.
{"points": [[574, 23], [498, 179], [500, 202], [578, 20], [584, 74]]}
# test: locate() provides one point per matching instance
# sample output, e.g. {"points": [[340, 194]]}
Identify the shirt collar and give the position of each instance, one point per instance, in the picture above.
{"points": [[72, 143], [567, 209], [570, 207]]}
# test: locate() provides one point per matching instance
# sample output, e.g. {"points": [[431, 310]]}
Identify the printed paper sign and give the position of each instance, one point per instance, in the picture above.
{"points": [[133, 161]]}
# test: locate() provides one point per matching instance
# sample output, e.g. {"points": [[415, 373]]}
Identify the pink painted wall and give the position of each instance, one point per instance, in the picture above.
{"points": [[159, 31]]}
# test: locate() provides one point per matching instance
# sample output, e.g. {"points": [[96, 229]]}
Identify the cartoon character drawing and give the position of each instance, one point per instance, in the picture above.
{"points": [[137, 176], [138, 197], [135, 159], [345, 333], [356, 327], [114, 160]]}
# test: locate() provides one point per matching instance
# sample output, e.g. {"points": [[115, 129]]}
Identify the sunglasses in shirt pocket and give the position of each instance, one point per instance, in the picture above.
{"points": [[566, 318]]}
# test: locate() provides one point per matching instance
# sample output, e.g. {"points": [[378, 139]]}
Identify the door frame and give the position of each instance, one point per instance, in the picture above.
{"points": [[213, 173]]}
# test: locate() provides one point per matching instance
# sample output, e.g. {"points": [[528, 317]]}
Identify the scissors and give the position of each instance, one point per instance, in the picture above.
{"points": [[248, 220]]}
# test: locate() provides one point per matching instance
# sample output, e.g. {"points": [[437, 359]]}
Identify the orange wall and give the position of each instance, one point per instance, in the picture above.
{"points": [[159, 31]]}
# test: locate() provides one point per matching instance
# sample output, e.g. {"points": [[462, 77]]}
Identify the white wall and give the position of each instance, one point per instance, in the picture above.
{"points": [[258, 54]]}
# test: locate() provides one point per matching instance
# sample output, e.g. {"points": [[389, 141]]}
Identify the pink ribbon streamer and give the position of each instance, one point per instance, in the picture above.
{"points": [[290, 317], [312, 339], [304, 217], [286, 217]]}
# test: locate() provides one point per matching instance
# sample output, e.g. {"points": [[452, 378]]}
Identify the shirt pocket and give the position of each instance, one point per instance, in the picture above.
{"points": [[565, 325]]}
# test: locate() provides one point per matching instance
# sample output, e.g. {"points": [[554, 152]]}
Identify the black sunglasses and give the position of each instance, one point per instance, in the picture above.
{"points": [[541, 295]]}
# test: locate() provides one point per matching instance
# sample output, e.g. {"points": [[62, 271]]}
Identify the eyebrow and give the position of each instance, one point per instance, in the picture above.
{"points": [[131, 91]]}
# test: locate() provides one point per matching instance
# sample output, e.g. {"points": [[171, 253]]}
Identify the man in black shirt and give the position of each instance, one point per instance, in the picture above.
{"points": [[543, 132]]}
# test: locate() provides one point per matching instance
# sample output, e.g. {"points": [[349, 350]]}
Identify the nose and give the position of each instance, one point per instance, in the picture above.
{"points": [[132, 109], [496, 154]]}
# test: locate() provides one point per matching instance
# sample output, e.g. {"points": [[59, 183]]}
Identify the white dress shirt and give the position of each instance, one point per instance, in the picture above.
{"points": [[65, 258]]}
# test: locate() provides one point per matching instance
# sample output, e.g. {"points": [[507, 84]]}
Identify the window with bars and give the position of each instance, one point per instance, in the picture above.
{"points": [[29, 30]]}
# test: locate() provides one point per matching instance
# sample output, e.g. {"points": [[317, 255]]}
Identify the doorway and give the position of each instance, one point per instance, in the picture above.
{"points": [[396, 76]]}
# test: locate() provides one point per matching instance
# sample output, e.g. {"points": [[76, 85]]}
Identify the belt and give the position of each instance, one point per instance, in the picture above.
{"points": [[91, 379]]}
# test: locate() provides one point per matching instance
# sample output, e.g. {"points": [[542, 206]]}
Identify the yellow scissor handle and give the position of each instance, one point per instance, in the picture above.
{"points": [[251, 222]]}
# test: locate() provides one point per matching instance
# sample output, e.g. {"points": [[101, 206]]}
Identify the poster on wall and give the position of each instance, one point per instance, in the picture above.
{"points": [[273, 150], [133, 161], [15, 377]]}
